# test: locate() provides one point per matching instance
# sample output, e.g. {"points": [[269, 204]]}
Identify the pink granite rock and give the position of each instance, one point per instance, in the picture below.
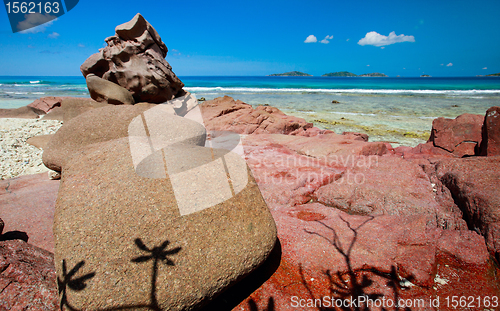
{"points": [[27, 205], [135, 59], [473, 182], [490, 145], [450, 134], [27, 277], [46, 104], [227, 114]]}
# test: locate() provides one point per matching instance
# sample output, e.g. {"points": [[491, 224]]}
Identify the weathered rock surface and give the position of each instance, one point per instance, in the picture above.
{"points": [[74, 106], [490, 145], [27, 277], [96, 125], [226, 114], [27, 206], [46, 104], [103, 90], [133, 245], [135, 59], [22, 112], [460, 136], [474, 182]]}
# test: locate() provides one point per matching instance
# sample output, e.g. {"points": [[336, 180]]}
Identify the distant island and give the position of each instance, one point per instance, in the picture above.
{"points": [[291, 74], [374, 74], [350, 74], [494, 75], [425, 76], [340, 74]]}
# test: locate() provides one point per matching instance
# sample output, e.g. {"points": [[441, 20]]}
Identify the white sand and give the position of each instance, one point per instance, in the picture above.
{"points": [[16, 156]]}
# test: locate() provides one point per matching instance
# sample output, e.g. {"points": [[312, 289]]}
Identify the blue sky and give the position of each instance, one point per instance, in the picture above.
{"points": [[439, 38]]}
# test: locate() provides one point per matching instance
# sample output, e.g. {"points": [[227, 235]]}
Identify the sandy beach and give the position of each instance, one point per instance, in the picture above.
{"points": [[19, 157]]}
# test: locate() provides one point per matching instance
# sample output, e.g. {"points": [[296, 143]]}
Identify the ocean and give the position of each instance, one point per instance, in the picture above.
{"points": [[398, 110]]}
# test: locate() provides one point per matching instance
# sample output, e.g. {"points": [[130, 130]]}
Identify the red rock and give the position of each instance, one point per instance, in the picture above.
{"points": [[356, 136], [423, 151], [46, 104], [27, 278], [473, 182], [27, 205], [449, 134], [333, 254], [490, 145], [226, 114]]}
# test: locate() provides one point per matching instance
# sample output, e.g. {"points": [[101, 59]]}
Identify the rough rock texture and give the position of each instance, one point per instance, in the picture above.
{"points": [[422, 151], [474, 184], [460, 136], [27, 277], [490, 145], [2, 224], [103, 90], [226, 114], [135, 60], [46, 104], [27, 206], [23, 112], [326, 251], [132, 246], [74, 106], [96, 125]]}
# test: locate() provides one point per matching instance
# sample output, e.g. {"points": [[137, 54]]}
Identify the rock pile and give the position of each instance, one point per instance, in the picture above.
{"points": [[133, 60]]}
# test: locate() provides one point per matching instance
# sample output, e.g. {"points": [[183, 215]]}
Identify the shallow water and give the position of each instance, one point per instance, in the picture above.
{"points": [[398, 110]]}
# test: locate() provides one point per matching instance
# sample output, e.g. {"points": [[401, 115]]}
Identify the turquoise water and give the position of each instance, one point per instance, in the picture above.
{"points": [[399, 110]]}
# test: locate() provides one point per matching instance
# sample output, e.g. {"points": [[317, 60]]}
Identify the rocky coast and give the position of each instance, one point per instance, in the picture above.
{"points": [[166, 203]]}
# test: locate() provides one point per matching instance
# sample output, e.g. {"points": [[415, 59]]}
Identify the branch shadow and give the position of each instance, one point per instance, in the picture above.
{"points": [[349, 285], [14, 235]]}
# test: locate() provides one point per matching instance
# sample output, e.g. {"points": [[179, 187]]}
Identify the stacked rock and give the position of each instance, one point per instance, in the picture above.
{"points": [[146, 215], [135, 61]]}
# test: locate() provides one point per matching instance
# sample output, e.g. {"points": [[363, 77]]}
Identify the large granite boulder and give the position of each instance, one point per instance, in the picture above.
{"points": [[93, 126], [135, 60], [27, 277], [490, 145], [152, 242]]}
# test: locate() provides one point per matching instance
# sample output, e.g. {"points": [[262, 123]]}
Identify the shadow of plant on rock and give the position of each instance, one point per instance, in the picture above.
{"points": [[67, 281], [157, 254], [252, 306], [352, 284]]}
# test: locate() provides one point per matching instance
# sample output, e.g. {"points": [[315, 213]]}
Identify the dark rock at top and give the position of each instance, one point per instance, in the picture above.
{"points": [[135, 60]]}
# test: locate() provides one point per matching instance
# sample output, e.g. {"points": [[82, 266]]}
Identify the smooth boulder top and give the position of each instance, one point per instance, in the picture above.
{"points": [[110, 221], [106, 91]]}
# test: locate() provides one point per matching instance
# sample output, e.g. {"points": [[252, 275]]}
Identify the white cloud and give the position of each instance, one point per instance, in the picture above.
{"points": [[325, 40], [32, 20], [311, 39], [449, 65], [53, 35], [485, 68], [376, 39], [367, 65], [81, 45]]}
